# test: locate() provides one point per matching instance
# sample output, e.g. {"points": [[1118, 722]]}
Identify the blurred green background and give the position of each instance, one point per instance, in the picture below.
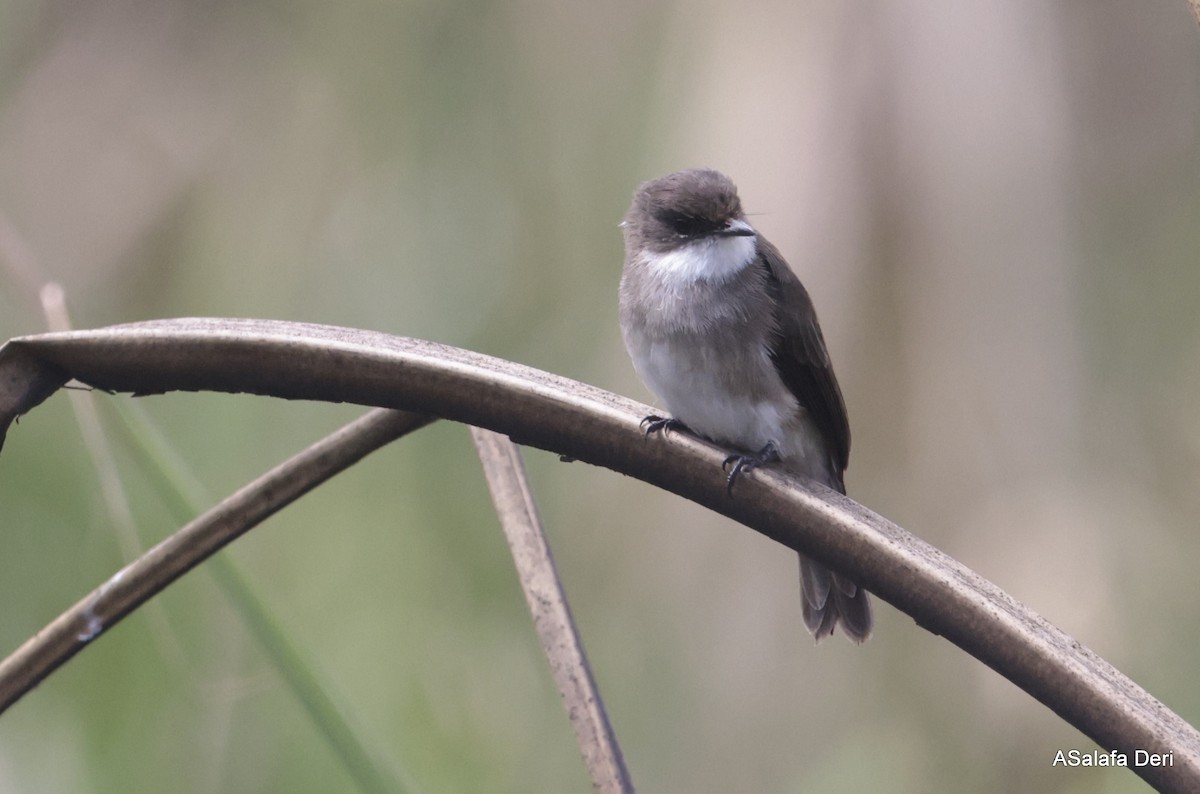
{"points": [[995, 206]]}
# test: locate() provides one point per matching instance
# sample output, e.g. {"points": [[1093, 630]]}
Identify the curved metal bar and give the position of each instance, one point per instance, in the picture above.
{"points": [[299, 361]]}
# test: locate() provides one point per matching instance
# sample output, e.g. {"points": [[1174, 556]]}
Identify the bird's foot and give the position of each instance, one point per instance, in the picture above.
{"points": [[738, 463], [653, 424]]}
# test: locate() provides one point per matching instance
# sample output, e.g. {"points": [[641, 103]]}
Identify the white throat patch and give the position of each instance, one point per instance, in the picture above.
{"points": [[706, 259]]}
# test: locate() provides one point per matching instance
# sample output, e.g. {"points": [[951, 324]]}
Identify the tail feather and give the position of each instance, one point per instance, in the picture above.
{"points": [[828, 598]]}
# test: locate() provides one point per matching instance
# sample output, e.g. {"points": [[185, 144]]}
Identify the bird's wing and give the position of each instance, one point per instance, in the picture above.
{"points": [[800, 355]]}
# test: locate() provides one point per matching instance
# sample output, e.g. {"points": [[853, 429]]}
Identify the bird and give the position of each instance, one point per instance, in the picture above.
{"points": [[722, 331]]}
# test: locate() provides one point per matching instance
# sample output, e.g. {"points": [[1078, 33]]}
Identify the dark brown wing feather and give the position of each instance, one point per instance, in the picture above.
{"points": [[800, 356], [802, 360]]}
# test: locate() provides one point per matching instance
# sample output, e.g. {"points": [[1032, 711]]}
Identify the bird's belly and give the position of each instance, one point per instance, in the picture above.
{"points": [[740, 403]]}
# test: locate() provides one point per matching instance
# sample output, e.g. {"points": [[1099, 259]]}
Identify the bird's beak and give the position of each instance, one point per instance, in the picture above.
{"points": [[737, 228]]}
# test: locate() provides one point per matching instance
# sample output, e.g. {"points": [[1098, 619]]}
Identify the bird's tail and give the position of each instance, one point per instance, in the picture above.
{"points": [[829, 598]]}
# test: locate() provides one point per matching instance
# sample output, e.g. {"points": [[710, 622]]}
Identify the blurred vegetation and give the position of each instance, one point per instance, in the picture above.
{"points": [[995, 207]]}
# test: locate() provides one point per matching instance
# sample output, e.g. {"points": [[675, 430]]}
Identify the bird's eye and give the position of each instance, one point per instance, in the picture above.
{"points": [[688, 225]]}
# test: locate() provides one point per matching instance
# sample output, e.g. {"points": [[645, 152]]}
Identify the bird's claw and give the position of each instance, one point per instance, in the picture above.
{"points": [[737, 463], [653, 424]]}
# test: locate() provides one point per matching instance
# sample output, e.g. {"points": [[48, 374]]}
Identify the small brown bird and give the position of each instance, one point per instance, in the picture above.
{"points": [[721, 330]]}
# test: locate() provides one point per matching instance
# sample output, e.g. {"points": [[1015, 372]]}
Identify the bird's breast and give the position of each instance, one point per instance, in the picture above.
{"points": [[704, 350], [728, 392]]}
